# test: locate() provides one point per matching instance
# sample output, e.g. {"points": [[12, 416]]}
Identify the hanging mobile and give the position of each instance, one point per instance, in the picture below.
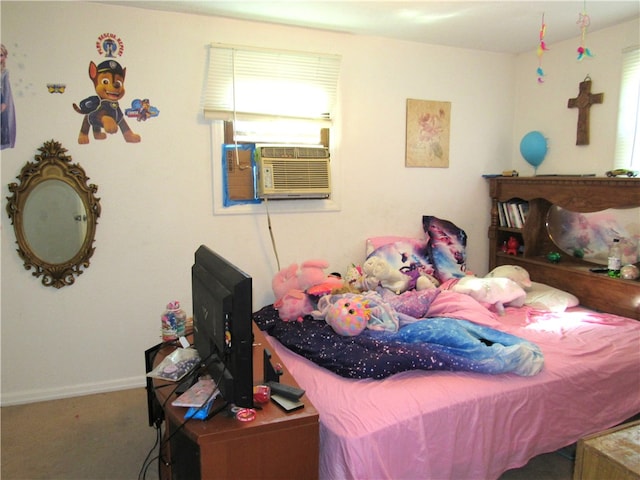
{"points": [[542, 47], [583, 22]]}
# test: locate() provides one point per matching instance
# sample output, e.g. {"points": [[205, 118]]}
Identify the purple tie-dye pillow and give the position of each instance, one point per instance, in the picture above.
{"points": [[447, 247], [408, 256]]}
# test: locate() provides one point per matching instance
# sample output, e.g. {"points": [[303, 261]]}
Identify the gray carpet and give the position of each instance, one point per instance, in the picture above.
{"points": [[106, 436]]}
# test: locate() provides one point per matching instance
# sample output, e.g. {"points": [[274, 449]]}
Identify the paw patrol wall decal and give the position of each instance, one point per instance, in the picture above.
{"points": [[109, 45], [56, 87], [102, 111], [141, 110]]}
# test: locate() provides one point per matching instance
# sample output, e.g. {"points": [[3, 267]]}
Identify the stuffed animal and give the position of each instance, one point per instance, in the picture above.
{"points": [[312, 272], [294, 305], [426, 282], [291, 285], [418, 278], [494, 292], [332, 284], [512, 272], [349, 315], [354, 278], [285, 280], [512, 246], [377, 272]]}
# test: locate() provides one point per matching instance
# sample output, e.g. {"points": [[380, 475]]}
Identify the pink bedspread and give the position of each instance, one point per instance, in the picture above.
{"points": [[458, 425]]}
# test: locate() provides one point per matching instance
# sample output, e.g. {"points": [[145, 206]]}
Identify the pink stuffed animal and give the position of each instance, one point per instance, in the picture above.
{"points": [[312, 273], [290, 287], [294, 305], [285, 280]]}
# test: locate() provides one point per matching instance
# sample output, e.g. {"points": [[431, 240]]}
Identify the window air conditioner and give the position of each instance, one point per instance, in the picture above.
{"points": [[293, 171]]}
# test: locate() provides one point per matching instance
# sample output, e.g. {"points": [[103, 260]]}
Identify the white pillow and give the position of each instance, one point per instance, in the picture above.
{"points": [[545, 297]]}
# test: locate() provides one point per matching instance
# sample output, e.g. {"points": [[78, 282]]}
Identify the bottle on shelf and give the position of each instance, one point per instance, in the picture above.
{"points": [[614, 261]]}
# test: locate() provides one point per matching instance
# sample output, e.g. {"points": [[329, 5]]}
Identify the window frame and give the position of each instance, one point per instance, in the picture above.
{"points": [[233, 190], [627, 150], [331, 204]]}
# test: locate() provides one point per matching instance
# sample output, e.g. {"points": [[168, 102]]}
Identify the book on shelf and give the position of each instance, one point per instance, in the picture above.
{"points": [[501, 215], [513, 214], [523, 209]]}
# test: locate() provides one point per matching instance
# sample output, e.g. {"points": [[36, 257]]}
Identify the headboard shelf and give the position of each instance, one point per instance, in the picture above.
{"points": [[578, 194]]}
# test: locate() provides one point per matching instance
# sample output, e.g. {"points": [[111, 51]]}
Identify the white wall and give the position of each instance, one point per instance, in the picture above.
{"points": [[157, 195], [543, 107]]}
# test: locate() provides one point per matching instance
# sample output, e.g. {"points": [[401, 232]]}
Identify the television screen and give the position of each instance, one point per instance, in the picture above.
{"points": [[222, 321]]}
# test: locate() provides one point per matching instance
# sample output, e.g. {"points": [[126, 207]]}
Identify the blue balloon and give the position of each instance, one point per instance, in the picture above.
{"points": [[533, 148]]}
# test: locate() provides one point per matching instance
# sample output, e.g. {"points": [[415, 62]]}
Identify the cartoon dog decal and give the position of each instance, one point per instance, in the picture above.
{"points": [[102, 112]]}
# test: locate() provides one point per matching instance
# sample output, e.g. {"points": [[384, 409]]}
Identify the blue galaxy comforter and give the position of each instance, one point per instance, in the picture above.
{"points": [[426, 344]]}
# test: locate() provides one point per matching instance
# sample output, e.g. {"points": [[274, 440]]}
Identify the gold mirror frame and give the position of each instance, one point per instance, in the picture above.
{"points": [[53, 164]]}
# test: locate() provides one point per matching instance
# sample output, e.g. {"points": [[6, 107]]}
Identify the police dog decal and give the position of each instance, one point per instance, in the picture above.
{"points": [[101, 112]]}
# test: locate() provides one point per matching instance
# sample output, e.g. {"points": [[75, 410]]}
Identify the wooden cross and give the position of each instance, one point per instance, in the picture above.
{"points": [[583, 103]]}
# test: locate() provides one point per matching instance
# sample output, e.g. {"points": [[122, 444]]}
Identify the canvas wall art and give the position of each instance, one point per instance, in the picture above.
{"points": [[428, 129]]}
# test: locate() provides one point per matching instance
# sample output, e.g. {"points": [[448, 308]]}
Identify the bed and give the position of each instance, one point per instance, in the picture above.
{"points": [[444, 424]]}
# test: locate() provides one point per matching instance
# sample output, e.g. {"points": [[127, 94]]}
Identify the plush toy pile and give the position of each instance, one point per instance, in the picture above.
{"points": [[294, 288], [409, 295], [298, 290]]}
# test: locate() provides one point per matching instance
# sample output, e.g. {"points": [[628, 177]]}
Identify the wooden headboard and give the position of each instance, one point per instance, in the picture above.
{"points": [[578, 194]]}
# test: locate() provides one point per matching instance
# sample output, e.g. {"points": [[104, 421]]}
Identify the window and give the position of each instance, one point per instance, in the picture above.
{"points": [[251, 83], [268, 96], [627, 153]]}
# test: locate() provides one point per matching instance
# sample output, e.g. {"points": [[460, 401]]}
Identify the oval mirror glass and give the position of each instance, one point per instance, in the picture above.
{"points": [[55, 221], [589, 235]]}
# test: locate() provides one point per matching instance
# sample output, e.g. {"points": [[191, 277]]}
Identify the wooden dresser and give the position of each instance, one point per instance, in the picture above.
{"points": [[276, 445], [578, 194]]}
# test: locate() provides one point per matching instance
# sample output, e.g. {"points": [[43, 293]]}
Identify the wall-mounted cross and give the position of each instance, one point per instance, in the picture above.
{"points": [[583, 103]]}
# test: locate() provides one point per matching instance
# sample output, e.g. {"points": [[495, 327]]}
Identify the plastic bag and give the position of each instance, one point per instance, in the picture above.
{"points": [[176, 365]]}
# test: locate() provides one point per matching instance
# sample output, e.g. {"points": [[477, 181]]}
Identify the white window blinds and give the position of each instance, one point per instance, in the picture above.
{"points": [[627, 153], [246, 83]]}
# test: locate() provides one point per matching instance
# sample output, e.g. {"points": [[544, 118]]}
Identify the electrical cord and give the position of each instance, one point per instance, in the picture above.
{"points": [[188, 375], [273, 240], [148, 460], [186, 420]]}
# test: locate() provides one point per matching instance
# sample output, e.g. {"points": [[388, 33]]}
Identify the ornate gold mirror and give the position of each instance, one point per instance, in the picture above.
{"points": [[54, 214]]}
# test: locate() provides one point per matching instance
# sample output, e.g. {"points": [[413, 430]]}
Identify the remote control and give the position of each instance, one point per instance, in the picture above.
{"points": [[599, 270], [287, 391]]}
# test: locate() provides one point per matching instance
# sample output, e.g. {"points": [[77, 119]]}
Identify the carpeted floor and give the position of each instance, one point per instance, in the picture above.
{"points": [[103, 436], [106, 436]]}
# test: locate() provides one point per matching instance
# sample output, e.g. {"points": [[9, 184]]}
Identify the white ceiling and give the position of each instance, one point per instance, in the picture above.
{"points": [[501, 26]]}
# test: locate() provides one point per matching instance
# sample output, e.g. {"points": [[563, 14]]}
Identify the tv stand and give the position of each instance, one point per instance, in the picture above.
{"points": [[274, 445]]}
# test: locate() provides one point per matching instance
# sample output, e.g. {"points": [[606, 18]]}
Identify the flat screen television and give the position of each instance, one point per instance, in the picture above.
{"points": [[222, 322]]}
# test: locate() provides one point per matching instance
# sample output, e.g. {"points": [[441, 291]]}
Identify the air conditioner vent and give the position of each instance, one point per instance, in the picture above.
{"points": [[305, 174], [294, 152], [278, 152], [292, 171]]}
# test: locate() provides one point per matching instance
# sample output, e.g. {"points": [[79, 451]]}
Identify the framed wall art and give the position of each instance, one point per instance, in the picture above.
{"points": [[428, 128]]}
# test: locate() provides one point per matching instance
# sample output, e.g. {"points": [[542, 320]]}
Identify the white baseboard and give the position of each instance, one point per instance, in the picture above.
{"points": [[41, 395]]}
